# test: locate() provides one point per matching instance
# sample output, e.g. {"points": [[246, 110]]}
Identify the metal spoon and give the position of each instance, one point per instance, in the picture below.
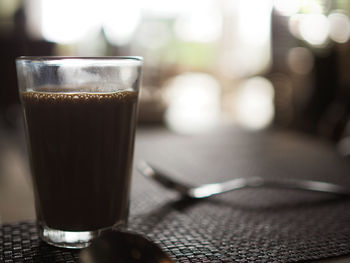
{"points": [[207, 190], [118, 246]]}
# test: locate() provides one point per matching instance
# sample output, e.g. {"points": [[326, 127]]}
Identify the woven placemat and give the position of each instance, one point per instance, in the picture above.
{"points": [[252, 225]]}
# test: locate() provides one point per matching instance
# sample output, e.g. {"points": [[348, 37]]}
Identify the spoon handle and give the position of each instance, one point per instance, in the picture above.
{"points": [[257, 182], [207, 190]]}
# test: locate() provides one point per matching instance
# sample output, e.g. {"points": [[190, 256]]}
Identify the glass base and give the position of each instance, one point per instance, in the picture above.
{"points": [[68, 239]]}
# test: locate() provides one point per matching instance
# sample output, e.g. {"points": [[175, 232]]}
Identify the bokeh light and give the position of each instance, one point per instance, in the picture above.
{"points": [[254, 103], [314, 28], [193, 103], [228, 41], [300, 60], [294, 25], [339, 27]]}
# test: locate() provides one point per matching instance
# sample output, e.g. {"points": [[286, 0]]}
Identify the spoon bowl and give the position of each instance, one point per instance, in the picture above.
{"points": [[123, 247]]}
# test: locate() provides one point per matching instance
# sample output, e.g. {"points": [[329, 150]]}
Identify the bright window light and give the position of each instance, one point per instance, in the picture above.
{"points": [[254, 22], [120, 20], [202, 25], [161, 8], [287, 7], [250, 49], [65, 21]]}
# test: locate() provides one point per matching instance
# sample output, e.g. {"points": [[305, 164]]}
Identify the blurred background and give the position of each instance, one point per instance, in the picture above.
{"points": [[253, 63]]}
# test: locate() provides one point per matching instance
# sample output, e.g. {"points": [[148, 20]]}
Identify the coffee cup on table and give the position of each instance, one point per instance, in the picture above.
{"points": [[80, 117]]}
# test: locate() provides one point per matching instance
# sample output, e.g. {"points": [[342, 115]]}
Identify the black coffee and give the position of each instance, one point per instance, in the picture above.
{"points": [[81, 148]]}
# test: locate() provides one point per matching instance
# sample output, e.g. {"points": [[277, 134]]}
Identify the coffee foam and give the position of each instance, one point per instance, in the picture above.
{"points": [[90, 88], [78, 97]]}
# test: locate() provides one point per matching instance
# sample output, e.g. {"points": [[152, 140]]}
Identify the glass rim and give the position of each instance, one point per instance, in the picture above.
{"points": [[61, 58]]}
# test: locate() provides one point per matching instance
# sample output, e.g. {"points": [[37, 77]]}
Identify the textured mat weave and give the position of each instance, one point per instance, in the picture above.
{"points": [[255, 225]]}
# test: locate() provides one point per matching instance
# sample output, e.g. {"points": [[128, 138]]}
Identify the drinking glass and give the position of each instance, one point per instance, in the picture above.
{"points": [[80, 116]]}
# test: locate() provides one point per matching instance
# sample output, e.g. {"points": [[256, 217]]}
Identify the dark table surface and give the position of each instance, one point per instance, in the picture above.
{"points": [[252, 225]]}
